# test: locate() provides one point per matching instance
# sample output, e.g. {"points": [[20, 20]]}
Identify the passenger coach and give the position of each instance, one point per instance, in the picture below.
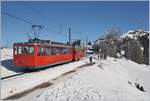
{"points": [[34, 55]]}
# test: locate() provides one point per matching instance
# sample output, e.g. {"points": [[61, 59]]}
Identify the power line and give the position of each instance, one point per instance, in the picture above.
{"points": [[16, 17], [38, 12], [50, 30], [26, 21]]}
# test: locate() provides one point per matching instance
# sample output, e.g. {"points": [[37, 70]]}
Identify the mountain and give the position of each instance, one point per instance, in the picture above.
{"points": [[134, 34]]}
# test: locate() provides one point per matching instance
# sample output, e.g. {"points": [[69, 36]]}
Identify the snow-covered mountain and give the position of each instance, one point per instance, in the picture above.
{"points": [[134, 34]]}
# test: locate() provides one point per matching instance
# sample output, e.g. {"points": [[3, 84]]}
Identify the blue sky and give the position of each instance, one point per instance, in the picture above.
{"points": [[87, 19]]}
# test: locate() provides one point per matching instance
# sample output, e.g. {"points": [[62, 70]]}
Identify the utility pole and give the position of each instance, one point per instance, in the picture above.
{"points": [[86, 45], [69, 36]]}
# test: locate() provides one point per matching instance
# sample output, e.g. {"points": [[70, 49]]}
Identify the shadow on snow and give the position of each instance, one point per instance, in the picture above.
{"points": [[8, 64]]}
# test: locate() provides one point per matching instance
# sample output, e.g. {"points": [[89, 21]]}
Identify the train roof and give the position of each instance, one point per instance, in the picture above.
{"points": [[39, 42]]}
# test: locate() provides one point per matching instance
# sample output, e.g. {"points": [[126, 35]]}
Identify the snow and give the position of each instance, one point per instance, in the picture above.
{"points": [[138, 73], [127, 34], [135, 34], [28, 81], [111, 79], [106, 80], [7, 67]]}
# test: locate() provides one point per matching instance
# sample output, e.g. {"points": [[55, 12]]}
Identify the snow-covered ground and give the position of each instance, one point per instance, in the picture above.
{"points": [[106, 80], [138, 73], [7, 67], [111, 79], [16, 85]]}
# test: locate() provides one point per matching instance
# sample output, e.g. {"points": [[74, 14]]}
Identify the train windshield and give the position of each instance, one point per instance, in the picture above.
{"points": [[24, 50]]}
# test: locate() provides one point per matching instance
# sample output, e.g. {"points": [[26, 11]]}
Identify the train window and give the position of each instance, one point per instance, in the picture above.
{"points": [[15, 49], [58, 51], [66, 50], [52, 51], [49, 51], [61, 50], [30, 50], [39, 51], [44, 51], [55, 51], [24, 50], [27, 50], [19, 50]]}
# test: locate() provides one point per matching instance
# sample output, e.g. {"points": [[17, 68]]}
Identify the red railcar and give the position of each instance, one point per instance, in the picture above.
{"points": [[33, 55]]}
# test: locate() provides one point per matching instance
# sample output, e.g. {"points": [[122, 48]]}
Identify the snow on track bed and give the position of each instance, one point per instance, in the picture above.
{"points": [[7, 67], [104, 81], [16, 85]]}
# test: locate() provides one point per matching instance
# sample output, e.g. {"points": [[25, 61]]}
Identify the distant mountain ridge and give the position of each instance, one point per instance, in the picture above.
{"points": [[134, 34]]}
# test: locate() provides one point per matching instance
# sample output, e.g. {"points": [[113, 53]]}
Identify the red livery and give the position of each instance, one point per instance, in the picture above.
{"points": [[34, 55]]}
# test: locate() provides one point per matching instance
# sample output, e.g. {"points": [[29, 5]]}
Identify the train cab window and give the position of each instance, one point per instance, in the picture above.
{"points": [[15, 50], [27, 50], [19, 50], [24, 50]]}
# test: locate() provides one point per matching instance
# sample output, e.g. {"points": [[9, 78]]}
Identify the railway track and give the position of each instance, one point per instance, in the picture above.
{"points": [[44, 76], [11, 76], [29, 71], [46, 84]]}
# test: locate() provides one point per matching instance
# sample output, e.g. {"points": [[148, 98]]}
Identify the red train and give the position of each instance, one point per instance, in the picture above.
{"points": [[39, 54]]}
